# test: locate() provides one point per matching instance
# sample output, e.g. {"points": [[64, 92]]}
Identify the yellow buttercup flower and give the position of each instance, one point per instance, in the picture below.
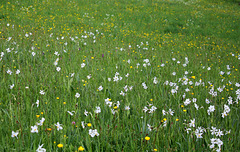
{"points": [[81, 148], [60, 145], [147, 138]]}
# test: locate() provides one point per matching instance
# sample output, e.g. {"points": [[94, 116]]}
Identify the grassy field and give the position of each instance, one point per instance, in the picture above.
{"points": [[119, 75]]}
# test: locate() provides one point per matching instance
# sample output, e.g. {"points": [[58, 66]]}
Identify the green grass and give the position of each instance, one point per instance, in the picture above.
{"points": [[105, 35]]}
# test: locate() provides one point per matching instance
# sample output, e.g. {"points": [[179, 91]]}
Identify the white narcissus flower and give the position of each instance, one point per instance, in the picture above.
{"points": [[171, 112], [41, 122], [86, 112], [164, 112], [188, 129], [77, 95], [40, 149], [127, 108], [83, 65], [149, 127], [71, 112], [210, 109], [199, 135], [113, 111], [115, 78], [152, 109], [37, 103], [100, 88], [56, 53], [42, 92], [11, 86], [89, 76], [83, 124], [18, 71], [219, 133], [192, 123], [59, 127], [155, 81], [9, 72], [122, 93], [144, 85], [213, 131], [98, 110], [14, 134], [34, 129], [58, 69], [93, 133], [145, 109], [8, 50]]}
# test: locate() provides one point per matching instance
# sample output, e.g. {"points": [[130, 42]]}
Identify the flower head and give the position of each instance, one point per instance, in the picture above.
{"points": [[80, 148], [14, 134], [34, 129], [147, 138], [59, 127], [77, 95], [60, 145], [98, 110], [93, 133], [40, 149], [42, 92]]}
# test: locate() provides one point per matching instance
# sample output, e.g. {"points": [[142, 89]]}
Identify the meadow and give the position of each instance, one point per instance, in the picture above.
{"points": [[119, 75]]}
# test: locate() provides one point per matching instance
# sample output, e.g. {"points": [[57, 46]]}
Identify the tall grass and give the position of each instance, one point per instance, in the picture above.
{"points": [[165, 75]]}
